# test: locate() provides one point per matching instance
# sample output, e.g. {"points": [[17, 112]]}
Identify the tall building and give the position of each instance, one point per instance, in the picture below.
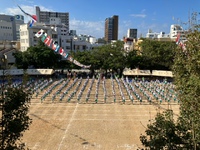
{"points": [[132, 33], [53, 17], [111, 28]]}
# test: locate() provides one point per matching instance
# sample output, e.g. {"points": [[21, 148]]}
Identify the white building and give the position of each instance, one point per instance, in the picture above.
{"points": [[92, 40], [175, 29], [128, 44], [162, 36], [151, 35], [87, 38], [58, 34], [84, 42], [9, 27]]}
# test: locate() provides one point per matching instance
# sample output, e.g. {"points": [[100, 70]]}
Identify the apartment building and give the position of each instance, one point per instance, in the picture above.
{"points": [[47, 17], [111, 28], [132, 33]]}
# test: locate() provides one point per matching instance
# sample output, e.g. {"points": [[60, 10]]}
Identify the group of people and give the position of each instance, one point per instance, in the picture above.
{"points": [[130, 89]]}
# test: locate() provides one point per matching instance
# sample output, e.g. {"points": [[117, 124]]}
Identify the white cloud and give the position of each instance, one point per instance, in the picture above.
{"points": [[143, 10], [16, 10], [138, 15], [26, 8], [26, 1], [94, 28]]}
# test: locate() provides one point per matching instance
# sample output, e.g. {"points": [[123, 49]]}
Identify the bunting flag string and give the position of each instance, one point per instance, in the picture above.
{"points": [[48, 41]]}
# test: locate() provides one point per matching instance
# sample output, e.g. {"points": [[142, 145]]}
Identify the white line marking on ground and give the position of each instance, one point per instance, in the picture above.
{"points": [[69, 124]]}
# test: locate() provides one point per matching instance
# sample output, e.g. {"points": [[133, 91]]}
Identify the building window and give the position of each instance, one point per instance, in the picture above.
{"points": [[68, 47], [68, 41], [54, 36]]}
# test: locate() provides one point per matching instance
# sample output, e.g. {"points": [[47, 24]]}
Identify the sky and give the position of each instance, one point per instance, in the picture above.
{"points": [[88, 16]]}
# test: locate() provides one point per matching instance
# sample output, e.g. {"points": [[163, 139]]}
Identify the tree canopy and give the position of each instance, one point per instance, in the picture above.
{"points": [[154, 55], [162, 133], [186, 72], [39, 56], [184, 133], [15, 119], [158, 54]]}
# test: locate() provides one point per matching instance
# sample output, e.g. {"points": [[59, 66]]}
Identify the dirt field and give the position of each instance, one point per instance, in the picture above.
{"points": [[73, 126], [105, 125]]}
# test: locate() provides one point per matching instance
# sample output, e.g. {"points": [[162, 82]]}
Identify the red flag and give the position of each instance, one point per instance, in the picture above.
{"points": [[178, 38]]}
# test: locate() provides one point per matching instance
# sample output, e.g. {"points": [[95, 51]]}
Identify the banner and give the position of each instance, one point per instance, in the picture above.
{"points": [[48, 41]]}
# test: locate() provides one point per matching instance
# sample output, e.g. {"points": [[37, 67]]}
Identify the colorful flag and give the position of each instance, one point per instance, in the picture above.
{"points": [[44, 36], [61, 51], [180, 42], [65, 55], [178, 38], [31, 23], [46, 41], [39, 33], [54, 46]]}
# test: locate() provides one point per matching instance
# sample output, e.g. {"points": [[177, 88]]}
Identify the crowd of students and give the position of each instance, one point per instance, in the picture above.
{"points": [[74, 87]]}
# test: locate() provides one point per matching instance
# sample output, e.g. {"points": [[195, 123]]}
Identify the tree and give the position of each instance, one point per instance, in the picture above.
{"points": [[186, 131], [15, 119], [111, 56], [158, 54], [162, 133], [39, 56], [83, 57], [186, 70], [21, 59], [135, 60], [106, 57]]}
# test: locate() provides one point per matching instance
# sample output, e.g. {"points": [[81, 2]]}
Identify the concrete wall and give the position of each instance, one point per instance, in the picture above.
{"points": [[138, 72], [29, 72]]}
